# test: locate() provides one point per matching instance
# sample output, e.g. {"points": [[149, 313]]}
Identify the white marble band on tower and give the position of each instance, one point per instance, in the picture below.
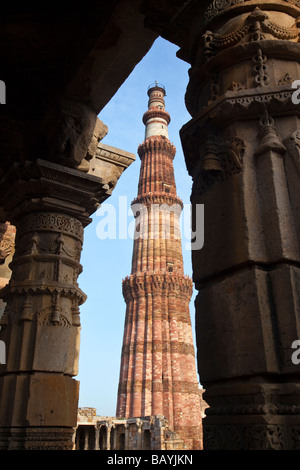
{"points": [[156, 119]]}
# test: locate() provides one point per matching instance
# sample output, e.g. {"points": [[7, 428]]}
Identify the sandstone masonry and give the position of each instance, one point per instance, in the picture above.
{"points": [[158, 372]]}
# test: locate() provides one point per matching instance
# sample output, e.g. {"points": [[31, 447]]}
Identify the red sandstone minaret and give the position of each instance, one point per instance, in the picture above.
{"points": [[158, 372]]}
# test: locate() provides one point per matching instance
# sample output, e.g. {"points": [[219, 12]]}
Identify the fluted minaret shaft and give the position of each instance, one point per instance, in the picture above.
{"points": [[158, 373]]}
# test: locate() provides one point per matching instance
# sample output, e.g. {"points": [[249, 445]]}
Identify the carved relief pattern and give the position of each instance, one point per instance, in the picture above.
{"points": [[43, 298], [217, 6], [139, 285], [6, 248], [286, 80], [45, 317], [214, 89], [34, 245], [236, 86], [293, 146], [252, 437], [52, 222], [222, 159], [261, 69], [252, 29], [42, 438], [242, 102], [269, 136], [294, 437], [7, 241], [46, 262], [228, 92], [264, 98]]}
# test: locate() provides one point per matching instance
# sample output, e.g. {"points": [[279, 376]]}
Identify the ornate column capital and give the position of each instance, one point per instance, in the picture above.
{"points": [[45, 186], [50, 205], [214, 9]]}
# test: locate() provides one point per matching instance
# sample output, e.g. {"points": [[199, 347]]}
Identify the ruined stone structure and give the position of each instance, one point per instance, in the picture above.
{"points": [[241, 147], [158, 372], [107, 433]]}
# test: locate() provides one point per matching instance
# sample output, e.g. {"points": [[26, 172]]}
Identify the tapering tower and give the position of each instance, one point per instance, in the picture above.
{"points": [[158, 372]]}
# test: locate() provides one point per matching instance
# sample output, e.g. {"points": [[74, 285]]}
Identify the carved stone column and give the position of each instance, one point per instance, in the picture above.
{"points": [[97, 434], [242, 151], [108, 435], [126, 436], [86, 438], [50, 205], [7, 244], [139, 425]]}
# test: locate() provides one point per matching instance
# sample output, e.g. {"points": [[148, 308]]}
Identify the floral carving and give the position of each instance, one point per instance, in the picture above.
{"points": [[254, 28], [217, 6], [51, 222]]}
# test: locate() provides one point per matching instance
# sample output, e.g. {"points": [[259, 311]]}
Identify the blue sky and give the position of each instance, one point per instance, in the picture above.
{"points": [[106, 262]]}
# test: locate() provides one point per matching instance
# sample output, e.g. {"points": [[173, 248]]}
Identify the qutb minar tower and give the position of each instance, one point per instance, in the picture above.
{"points": [[158, 371]]}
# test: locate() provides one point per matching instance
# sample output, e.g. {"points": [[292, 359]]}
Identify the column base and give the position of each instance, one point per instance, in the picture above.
{"points": [[36, 438], [251, 436], [253, 416], [38, 411]]}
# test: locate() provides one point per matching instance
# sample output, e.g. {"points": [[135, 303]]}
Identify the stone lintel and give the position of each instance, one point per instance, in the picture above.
{"points": [[43, 185], [109, 163], [114, 155]]}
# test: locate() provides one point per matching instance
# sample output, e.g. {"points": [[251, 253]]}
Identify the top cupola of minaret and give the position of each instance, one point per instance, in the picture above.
{"points": [[156, 119]]}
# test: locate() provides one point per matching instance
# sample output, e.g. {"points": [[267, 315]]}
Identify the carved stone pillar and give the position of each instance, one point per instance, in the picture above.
{"points": [[242, 151], [126, 436], [97, 434], [50, 205], [86, 437], [139, 425], [108, 435]]}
